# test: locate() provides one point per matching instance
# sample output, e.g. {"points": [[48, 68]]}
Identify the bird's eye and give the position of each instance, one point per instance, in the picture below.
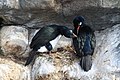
{"points": [[80, 23]]}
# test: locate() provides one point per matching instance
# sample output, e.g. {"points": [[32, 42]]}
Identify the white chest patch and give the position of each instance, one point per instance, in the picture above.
{"points": [[53, 43]]}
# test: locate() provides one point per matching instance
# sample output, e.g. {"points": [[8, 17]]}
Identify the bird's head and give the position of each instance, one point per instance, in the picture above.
{"points": [[67, 32], [78, 22]]}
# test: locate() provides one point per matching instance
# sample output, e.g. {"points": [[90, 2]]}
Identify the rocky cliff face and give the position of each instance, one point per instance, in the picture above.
{"points": [[28, 15], [99, 14]]}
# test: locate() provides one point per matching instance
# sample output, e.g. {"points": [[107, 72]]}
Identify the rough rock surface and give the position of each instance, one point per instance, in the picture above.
{"points": [[10, 70], [101, 15], [64, 65], [14, 40]]}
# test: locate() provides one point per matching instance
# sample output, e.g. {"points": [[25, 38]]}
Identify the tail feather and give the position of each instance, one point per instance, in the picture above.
{"points": [[86, 62], [30, 58]]}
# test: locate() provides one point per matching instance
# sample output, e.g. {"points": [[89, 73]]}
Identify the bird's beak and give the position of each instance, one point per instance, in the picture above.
{"points": [[74, 35], [78, 29]]}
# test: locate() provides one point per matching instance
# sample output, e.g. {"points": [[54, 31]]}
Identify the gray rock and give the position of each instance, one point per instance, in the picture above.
{"points": [[14, 40], [101, 15], [11, 70]]}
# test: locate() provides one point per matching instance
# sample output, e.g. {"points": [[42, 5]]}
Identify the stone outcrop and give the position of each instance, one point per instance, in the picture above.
{"points": [[14, 40], [10, 70], [99, 14], [63, 64], [23, 17]]}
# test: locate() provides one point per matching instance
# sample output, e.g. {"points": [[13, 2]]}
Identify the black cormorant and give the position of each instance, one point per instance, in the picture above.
{"points": [[84, 43], [46, 38]]}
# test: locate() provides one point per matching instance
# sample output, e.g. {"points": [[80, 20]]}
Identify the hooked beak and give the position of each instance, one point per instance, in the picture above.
{"points": [[74, 35], [78, 29], [79, 25]]}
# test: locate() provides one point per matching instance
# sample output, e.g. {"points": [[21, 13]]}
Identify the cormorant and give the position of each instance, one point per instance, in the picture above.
{"points": [[46, 38], [84, 43]]}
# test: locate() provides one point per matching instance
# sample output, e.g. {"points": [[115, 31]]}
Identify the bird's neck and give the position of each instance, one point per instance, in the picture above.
{"points": [[75, 31]]}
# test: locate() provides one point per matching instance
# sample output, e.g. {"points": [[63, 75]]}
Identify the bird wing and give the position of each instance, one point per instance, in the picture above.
{"points": [[88, 43], [43, 36], [81, 46], [93, 41]]}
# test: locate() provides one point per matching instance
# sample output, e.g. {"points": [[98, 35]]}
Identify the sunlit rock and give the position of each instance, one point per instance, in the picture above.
{"points": [[42, 67], [14, 40], [10, 70]]}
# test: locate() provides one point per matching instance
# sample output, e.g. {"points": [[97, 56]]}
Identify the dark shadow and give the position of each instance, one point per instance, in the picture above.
{"points": [[98, 18]]}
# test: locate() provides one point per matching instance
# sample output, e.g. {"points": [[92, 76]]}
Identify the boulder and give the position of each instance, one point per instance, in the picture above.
{"points": [[14, 40]]}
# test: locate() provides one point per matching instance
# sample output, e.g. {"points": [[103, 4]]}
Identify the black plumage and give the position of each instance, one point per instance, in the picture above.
{"points": [[84, 43], [1, 22], [44, 36]]}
